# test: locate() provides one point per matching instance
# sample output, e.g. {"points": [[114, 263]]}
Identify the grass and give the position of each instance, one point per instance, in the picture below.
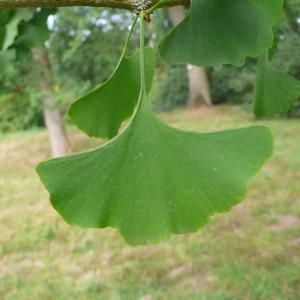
{"points": [[253, 252]]}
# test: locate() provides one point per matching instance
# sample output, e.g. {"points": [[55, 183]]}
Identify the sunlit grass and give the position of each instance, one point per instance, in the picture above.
{"points": [[253, 252]]}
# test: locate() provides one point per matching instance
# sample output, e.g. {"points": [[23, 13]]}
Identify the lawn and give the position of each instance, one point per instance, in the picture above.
{"points": [[253, 252]]}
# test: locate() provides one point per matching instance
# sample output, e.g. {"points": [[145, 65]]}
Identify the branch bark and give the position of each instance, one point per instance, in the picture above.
{"points": [[123, 4]]}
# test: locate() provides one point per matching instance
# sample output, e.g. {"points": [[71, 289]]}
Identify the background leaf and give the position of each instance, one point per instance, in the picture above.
{"points": [[275, 91], [222, 32], [101, 112]]}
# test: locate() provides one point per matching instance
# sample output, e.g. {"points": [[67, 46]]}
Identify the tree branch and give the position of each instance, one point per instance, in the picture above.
{"points": [[123, 4]]}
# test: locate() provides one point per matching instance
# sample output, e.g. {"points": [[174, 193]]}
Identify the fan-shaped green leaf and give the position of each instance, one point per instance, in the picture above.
{"points": [[222, 32], [101, 112], [152, 181], [275, 91]]}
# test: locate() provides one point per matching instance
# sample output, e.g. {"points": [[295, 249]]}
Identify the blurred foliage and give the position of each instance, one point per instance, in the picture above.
{"points": [[22, 30], [232, 84], [170, 88], [18, 112]]}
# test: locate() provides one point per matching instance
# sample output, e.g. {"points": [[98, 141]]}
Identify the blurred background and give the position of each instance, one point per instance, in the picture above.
{"points": [[253, 252]]}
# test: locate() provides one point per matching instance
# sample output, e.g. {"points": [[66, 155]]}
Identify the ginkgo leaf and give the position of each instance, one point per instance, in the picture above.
{"points": [[101, 112], [152, 180], [222, 32], [275, 91]]}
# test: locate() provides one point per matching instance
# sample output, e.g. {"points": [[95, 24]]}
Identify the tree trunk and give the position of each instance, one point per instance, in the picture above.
{"points": [[198, 87], [198, 83], [57, 135]]}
